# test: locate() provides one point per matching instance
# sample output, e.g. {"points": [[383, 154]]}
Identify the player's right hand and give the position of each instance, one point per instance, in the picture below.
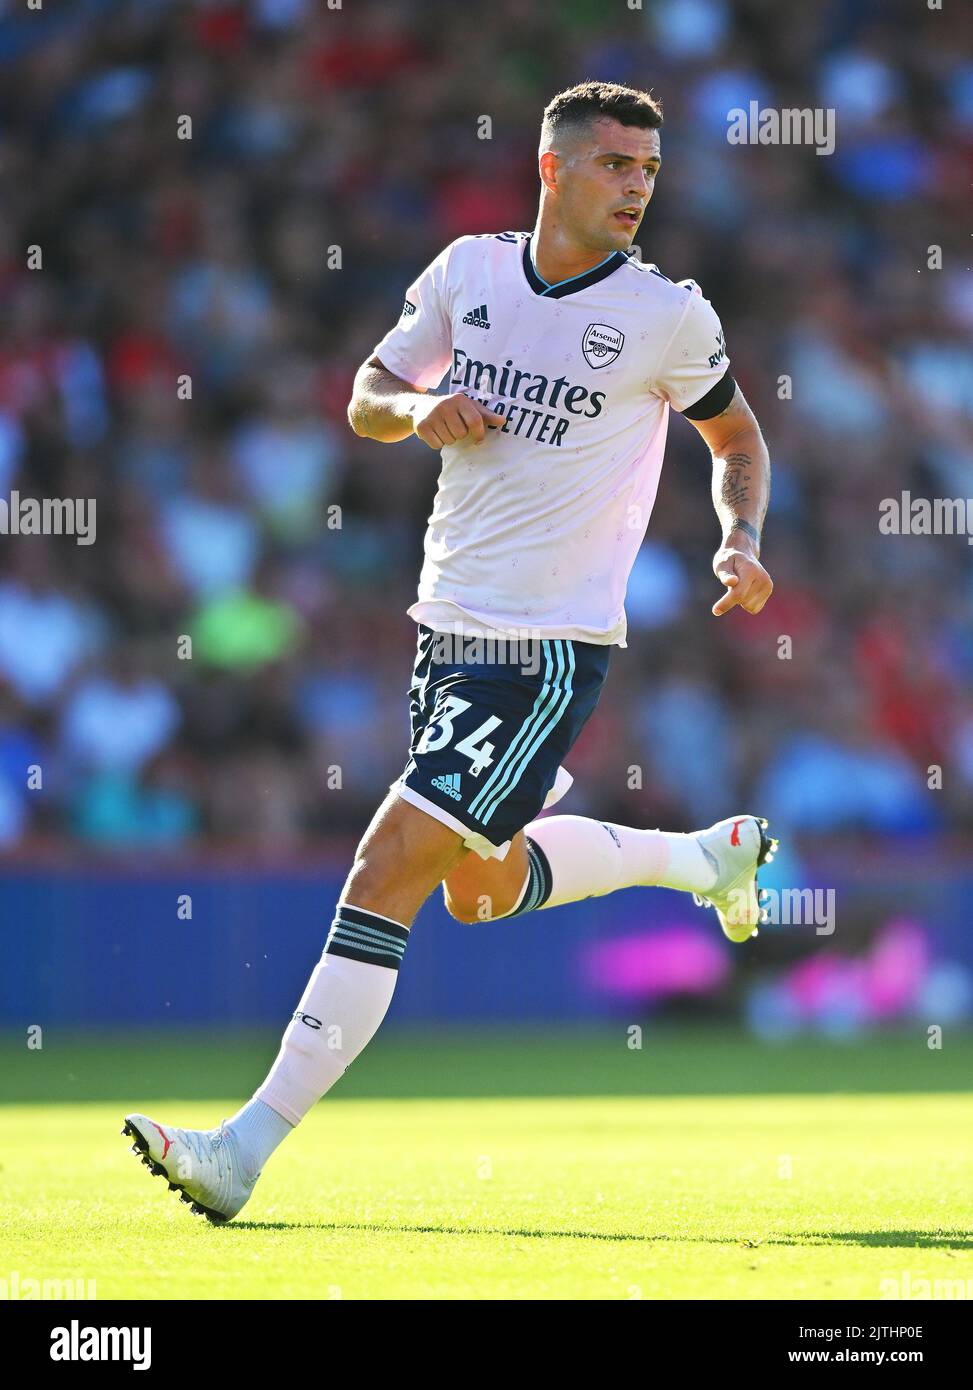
{"points": [[442, 420]]}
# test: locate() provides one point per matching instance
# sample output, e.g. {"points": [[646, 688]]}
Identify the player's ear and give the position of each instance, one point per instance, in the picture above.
{"points": [[547, 167]]}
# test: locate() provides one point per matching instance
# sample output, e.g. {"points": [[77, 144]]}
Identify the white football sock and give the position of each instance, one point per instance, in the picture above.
{"points": [[258, 1130], [588, 858], [340, 1010]]}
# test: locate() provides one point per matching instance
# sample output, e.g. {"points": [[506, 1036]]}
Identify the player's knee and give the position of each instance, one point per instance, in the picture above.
{"points": [[482, 908], [460, 911], [402, 857]]}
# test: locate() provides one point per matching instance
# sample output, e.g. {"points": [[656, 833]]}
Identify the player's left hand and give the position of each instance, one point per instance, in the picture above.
{"points": [[747, 582]]}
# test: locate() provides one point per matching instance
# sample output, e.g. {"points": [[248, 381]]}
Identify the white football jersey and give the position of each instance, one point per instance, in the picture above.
{"points": [[536, 529]]}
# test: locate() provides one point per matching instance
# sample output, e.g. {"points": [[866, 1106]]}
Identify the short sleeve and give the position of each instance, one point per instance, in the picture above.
{"points": [[420, 346], [695, 359]]}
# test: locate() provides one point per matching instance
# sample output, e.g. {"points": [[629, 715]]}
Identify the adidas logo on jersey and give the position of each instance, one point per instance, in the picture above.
{"points": [[478, 317], [448, 783]]}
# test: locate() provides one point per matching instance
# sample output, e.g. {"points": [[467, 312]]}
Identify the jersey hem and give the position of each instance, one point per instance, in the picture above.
{"points": [[613, 637]]}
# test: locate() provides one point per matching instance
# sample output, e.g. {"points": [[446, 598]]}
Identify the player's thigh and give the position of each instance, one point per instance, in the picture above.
{"points": [[403, 855], [480, 889]]}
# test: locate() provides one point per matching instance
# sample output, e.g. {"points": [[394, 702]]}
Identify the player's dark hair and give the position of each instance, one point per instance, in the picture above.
{"points": [[577, 106]]}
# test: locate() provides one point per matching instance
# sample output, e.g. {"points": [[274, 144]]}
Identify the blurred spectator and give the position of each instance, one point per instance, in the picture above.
{"points": [[44, 633], [118, 721]]}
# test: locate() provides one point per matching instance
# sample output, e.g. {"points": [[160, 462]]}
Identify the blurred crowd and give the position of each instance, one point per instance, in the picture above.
{"points": [[184, 354]]}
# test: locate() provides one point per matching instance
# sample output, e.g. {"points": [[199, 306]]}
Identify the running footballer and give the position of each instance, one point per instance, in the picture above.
{"points": [[563, 355]]}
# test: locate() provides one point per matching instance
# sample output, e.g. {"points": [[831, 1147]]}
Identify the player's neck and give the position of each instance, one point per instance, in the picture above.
{"points": [[558, 256]]}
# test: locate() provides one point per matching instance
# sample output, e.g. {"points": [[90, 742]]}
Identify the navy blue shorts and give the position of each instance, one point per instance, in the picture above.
{"points": [[491, 723]]}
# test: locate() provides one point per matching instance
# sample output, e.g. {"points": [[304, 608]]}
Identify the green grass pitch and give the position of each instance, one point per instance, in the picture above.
{"points": [[518, 1166]]}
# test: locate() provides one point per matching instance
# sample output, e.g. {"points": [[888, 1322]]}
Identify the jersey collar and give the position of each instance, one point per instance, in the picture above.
{"points": [[576, 282]]}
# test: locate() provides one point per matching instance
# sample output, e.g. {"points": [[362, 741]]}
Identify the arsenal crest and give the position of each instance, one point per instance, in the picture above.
{"points": [[601, 344]]}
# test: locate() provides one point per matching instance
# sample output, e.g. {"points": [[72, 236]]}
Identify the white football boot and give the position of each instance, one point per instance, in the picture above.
{"points": [[736, 848], [203, 1165]]}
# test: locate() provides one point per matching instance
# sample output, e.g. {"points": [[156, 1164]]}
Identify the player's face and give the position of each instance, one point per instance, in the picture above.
{"points": [[605, 181]]}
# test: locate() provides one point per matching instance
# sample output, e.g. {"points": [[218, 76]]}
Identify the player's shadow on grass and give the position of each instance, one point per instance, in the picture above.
{"points": [[898, 1240]]}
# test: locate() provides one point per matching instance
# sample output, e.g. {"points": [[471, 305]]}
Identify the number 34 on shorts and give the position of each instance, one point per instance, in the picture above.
{"points": [[439, 733], [489, 736]]}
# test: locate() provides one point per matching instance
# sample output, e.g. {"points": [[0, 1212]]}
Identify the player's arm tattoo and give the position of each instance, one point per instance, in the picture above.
{"points": [[735, 487], [741, 469], [741, 486], [749, 530]]}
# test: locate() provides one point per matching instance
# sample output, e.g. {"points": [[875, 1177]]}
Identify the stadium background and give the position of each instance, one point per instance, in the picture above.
{"points": [[315, 129]]}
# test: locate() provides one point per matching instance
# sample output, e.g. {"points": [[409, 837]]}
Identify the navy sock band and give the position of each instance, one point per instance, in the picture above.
{"points": [[366, 937], [539, 881]]}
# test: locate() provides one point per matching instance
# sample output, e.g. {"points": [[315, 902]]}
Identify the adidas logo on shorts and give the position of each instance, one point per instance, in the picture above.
{"points": [[478, 317], [448, 783]]}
